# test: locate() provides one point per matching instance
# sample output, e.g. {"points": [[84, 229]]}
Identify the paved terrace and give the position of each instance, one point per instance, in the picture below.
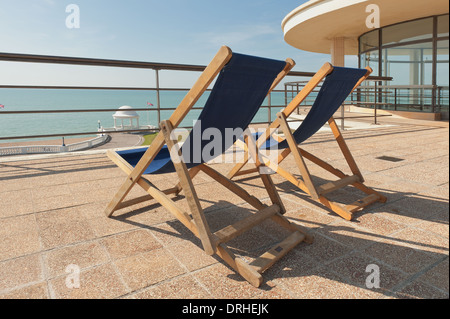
{"points": [[51, 216]]}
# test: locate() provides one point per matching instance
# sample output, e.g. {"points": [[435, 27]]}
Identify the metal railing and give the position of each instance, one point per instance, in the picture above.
{"points": [[411, 98], [273, 103], [293, 88]]}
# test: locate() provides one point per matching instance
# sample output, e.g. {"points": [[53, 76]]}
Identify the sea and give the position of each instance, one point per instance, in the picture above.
{"points": [[20, 125]]}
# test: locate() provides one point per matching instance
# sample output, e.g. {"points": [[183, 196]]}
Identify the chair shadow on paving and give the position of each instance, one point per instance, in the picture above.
{"points": [[337, 264]]}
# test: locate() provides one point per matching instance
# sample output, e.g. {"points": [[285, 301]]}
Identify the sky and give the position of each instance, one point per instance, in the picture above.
{"points": [[169, 31]]}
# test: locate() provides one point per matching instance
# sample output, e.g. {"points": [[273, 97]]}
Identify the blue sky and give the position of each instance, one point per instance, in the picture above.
{"points": [[172, 31]]}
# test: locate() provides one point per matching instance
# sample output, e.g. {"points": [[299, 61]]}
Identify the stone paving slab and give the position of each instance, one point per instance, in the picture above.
{"points": [[52, 223]]}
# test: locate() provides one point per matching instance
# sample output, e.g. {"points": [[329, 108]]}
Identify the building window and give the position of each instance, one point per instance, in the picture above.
{"points": [[409, 64], [416, 55], [407, 32], [443, 26], [442, 63]]}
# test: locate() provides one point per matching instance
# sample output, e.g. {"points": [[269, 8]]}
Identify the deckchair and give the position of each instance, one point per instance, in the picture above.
{"points": [[242, 85], [338, 84]]}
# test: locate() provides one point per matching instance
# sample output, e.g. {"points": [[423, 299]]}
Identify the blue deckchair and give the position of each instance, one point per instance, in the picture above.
{"points": [[338, 84], [242, 85]]}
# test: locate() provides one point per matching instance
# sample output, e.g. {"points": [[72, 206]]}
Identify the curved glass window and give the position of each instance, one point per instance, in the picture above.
{"points": [[370, 41], [406, 32], [443, 63], [409, 64], [416, 55], [443, 26]]}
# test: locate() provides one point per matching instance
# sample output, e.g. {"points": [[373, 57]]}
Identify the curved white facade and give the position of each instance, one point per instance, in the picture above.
{"points": [[315, 25]]}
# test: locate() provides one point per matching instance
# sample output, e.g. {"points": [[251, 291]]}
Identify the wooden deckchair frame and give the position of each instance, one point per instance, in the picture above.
{"points": [[305, 183], [195, 221]]}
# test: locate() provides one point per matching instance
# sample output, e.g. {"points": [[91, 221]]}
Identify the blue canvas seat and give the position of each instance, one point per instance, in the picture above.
{"points": [[242, 84], [337, 84]]}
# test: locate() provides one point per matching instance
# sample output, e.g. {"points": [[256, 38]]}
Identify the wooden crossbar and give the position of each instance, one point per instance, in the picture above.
{"points": [[228, 233], [269, 258], [333, 186], [372, 198], [247, 172]]}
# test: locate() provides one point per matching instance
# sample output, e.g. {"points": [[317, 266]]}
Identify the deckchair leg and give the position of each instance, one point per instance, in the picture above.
{"points": [[298, 156], [345, 150], [254, 153], [189, 191], [359, 185], [235, 171], [193, 172], [246, 271]]}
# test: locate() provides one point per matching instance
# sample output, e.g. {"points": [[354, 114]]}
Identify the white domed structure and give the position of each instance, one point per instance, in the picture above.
{"points": [[126, 113]]}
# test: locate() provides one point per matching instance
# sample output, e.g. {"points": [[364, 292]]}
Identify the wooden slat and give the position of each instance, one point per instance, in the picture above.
{"points": [[290, 64], [345, 149], [298, 156], [288, 176], [244, 269], [247, 172], [170, 205], [189, 190], [192, 173], [276, 253], [333, 186], [233, 231], [363, 203], [145, 198], [336, 207], [326, 69], [273, 193], [267, 180]]}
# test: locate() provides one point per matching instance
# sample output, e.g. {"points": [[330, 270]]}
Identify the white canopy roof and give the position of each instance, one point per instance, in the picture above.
{"points": [[313, 26], [125, 113]]}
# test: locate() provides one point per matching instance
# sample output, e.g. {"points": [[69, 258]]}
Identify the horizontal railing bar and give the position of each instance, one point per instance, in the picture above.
{"points": [[115, 88], [362, 117], [88, 111], [109, 110], [99, 88], [311, 74], [31, 58], [428, 87], [73, 134]]}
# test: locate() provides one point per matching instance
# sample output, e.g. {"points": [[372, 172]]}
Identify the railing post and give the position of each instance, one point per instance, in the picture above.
{"points": [[376, 99], [158, 97], [285, 94], [434, 99], [395, 99], [438, 97]]}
